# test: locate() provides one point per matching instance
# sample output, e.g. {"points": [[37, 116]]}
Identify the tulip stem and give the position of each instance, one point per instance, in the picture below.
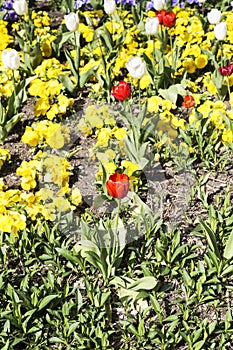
{"points": [[228, 87], [14, 83], [117, 215], [139, 97]]}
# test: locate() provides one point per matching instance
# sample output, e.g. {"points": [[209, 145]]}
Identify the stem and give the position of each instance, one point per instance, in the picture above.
{"points": [[14, 83], [117, 215], [139, 97], [228, 87], [154, 49]]}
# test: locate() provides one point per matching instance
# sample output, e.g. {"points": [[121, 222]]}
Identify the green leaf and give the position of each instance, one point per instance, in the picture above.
{"points": [[145, 283], [46, 300], [228, 251], [64, 252], [86, 76], [210, 236], [66, 81], [172, 92]]}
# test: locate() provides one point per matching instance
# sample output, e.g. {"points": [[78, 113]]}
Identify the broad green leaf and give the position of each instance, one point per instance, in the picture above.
{"points": [[46, 300], [210, 236], [147, 283], [228, 251]]}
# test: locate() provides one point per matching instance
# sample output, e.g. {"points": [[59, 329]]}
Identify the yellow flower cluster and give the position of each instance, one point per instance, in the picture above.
{"points": [[54, 134], [94, 119], [6, 39], [4, 156], [217, 114], [10, 219], [29, 172], [52, 102]]}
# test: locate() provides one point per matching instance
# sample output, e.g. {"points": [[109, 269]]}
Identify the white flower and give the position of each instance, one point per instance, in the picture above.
{"points": [[220, 31], [10, 59], [214, 16], [159, 4], [20, 7], [152, 25], [136, 67], [72, 21], [109, 6]]}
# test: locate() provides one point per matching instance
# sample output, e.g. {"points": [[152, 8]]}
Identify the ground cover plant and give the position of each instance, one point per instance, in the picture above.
{"points": [[116, 207]]}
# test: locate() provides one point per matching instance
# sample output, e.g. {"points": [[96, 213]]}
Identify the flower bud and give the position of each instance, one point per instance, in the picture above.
{"points": [[220, 31], [10, 59], [109, 6], [20, 7], [214, 16], [72, 21], [136, 67], [159, 5], [152, 25]]}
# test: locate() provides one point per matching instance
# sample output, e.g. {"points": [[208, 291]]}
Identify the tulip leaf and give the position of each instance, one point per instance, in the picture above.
{"points": [[172, 92], [145, 283], [46, 300], [228, 251]]}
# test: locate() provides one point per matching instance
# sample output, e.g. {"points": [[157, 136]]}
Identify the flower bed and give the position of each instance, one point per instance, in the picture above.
{"points": [[116, 133]]}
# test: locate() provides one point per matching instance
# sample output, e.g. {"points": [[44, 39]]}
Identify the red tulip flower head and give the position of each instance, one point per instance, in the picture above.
{"points": [[226, 70], [167, 18], [188, 101], [118, 185], [122, 91], [160, 15]]}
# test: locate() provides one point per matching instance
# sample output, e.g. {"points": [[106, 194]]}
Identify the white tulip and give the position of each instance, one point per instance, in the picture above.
{"points": [[20, 7], [214, 16], [220, 31], [159, 4], [72, 21], [152, 25], [10, 59], [136, 67], [109, 6]]}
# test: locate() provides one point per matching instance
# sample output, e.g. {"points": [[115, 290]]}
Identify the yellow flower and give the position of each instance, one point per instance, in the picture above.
{"points": [[88, 33], [53, 112], [41, 107], [103, 137], [201, 61], [153, 104], [30, 137], [120, 134], [46, 48], [94, 121], [145, 81], [110, 168], [82, 126], [64, 102], [76, 196], [227, 136], [37, 87], [130, 167], [189, 64], [178, 123], [62, 204]]}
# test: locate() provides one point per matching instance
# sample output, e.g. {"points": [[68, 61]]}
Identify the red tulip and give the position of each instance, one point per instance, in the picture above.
{"points": [[226, 70], [118, 185], [122, 91], [167, 18], [160, 15], [188, 101]]}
